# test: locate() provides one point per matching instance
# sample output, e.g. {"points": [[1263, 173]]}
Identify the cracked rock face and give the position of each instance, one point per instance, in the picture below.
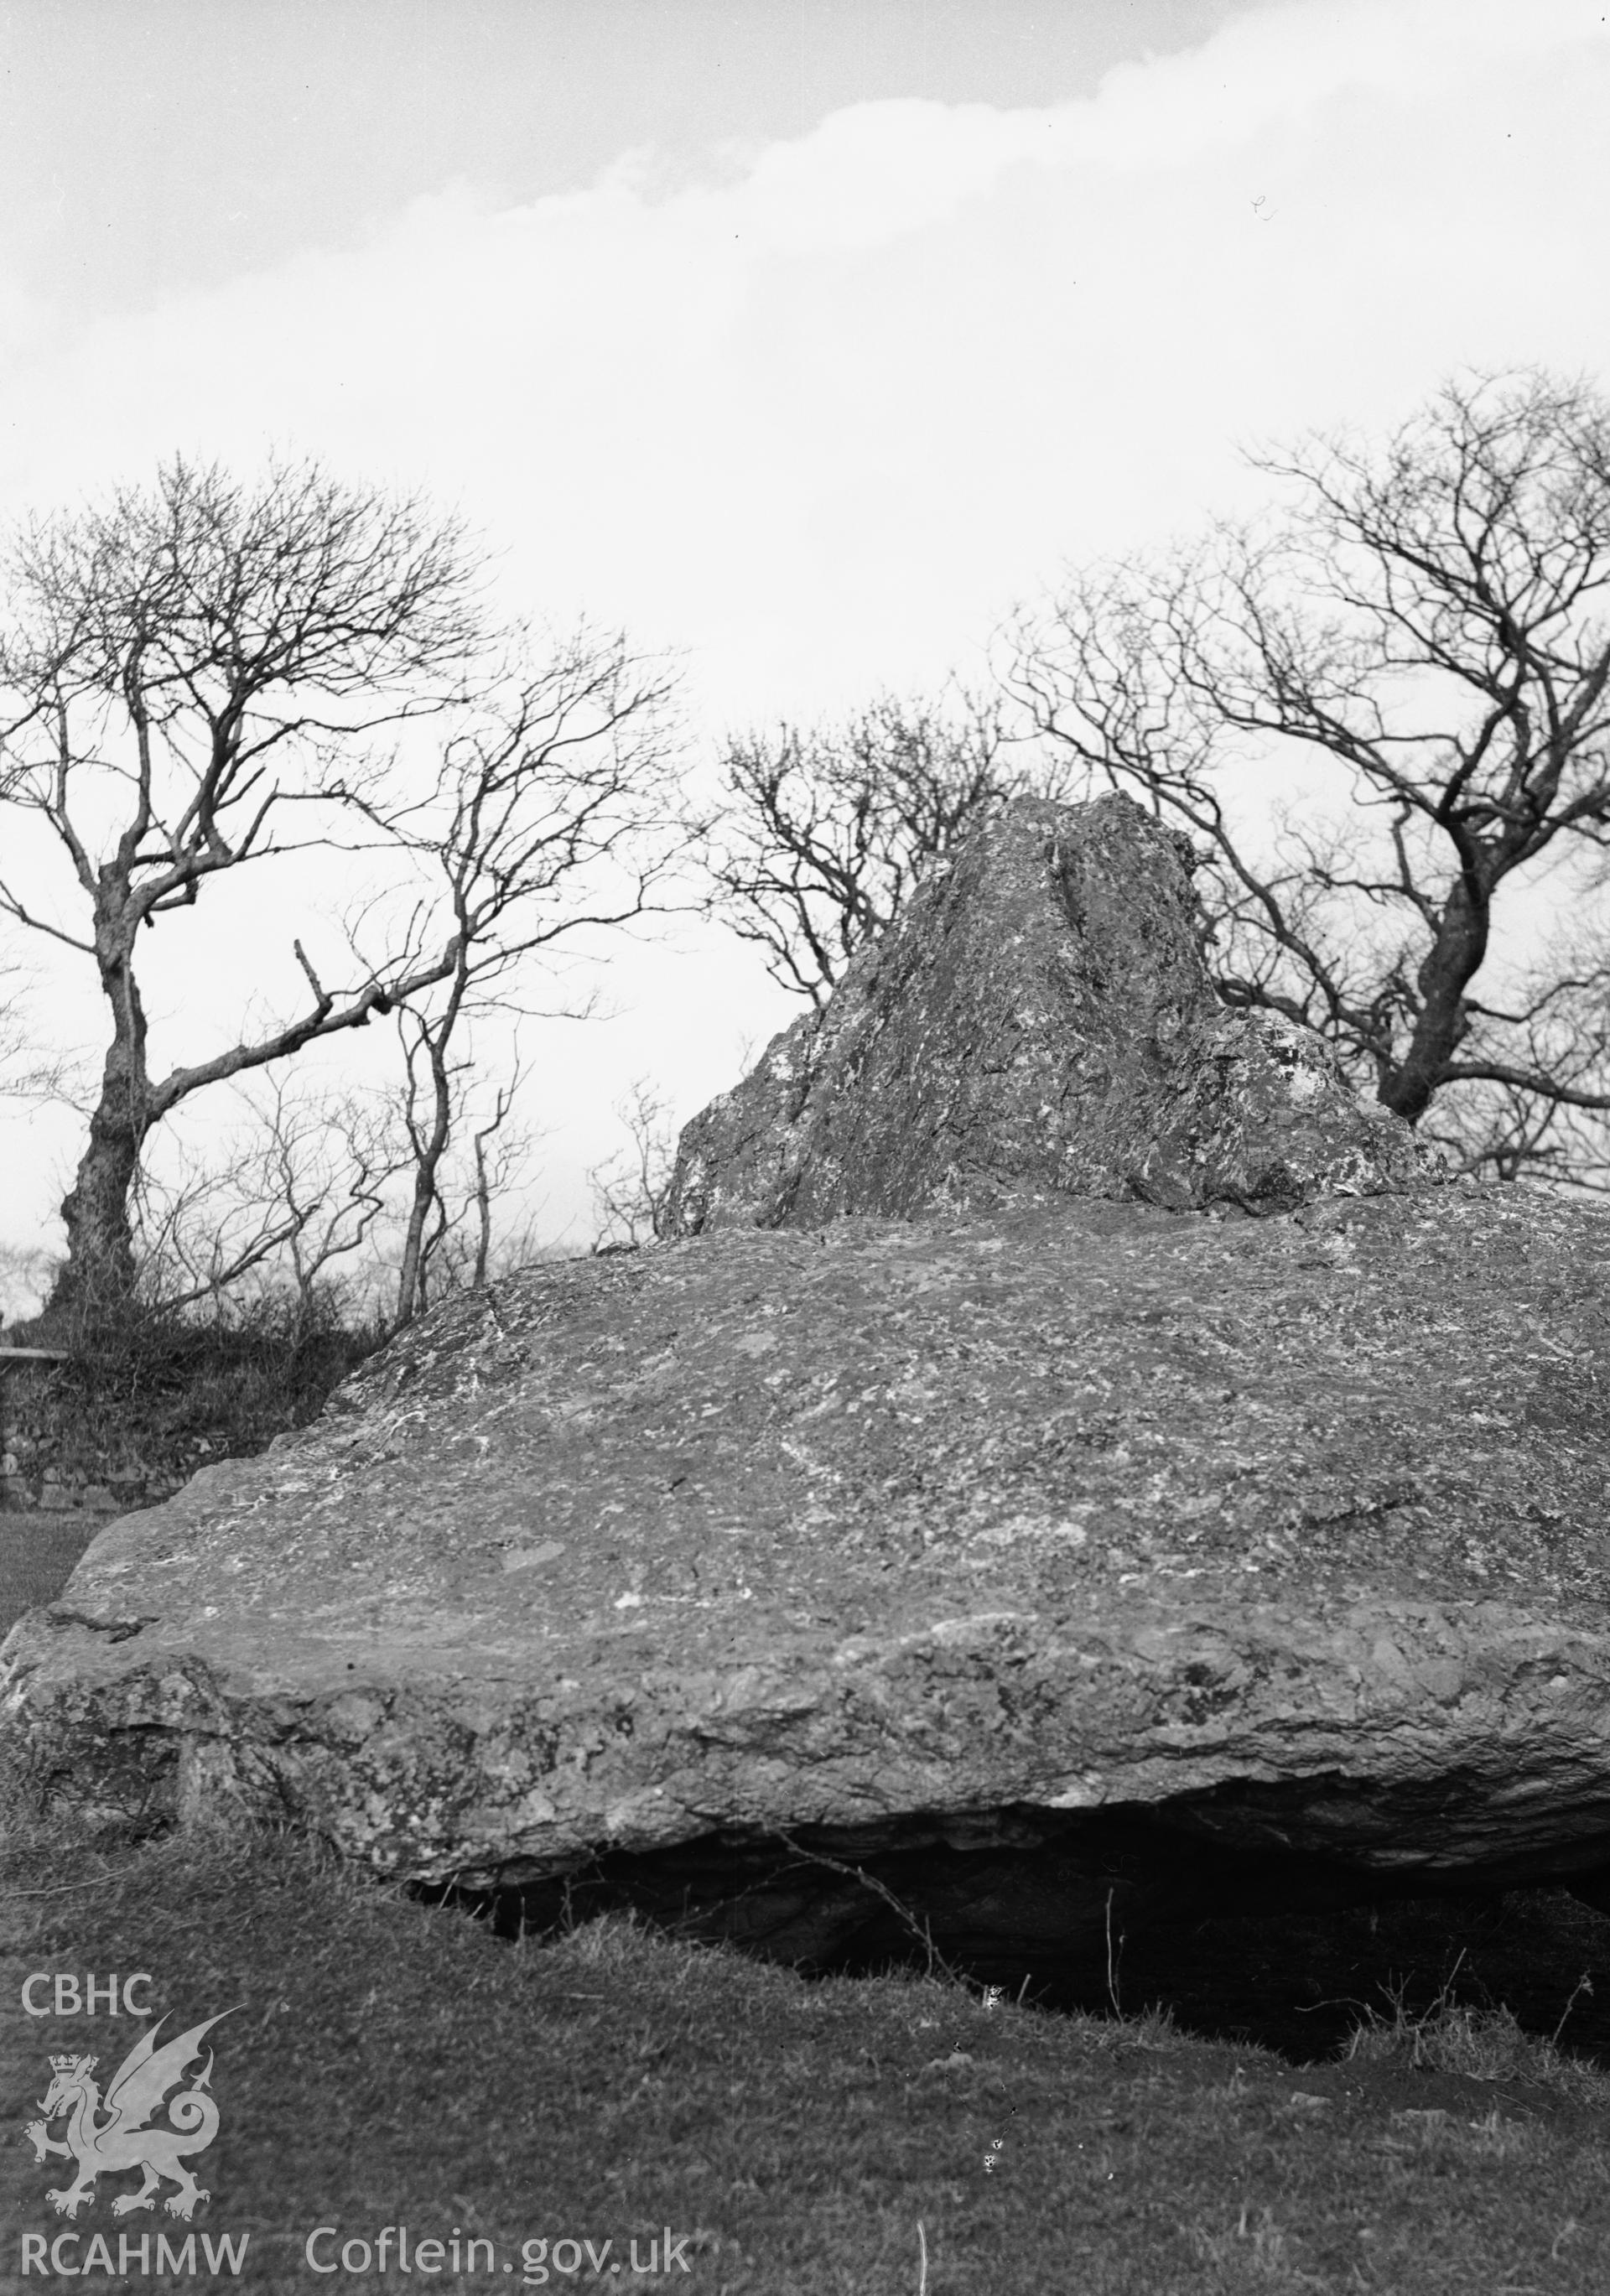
{"points": [[1015, 1561], [1038, 1020]]}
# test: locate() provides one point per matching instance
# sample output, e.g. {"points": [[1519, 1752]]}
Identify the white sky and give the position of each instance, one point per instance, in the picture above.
{"points": [[802, 340]]}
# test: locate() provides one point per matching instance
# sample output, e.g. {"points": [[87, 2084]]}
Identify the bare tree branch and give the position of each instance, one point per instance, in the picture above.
{"points": [[825, 832], [557, 813], [301, 1185], [1428, 619], [630, 1187]]}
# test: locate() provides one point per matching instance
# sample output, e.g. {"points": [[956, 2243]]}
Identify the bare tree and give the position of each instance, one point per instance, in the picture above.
{"points": [[303, 1186], [462, 1159], [187, 672], [305, 1206], [1425, 619], [826, 831], [495, 1152], [630, 1187], [558, 813]]}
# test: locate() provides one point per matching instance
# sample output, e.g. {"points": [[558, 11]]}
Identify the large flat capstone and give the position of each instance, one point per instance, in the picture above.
{"points": [[1281, 1537]]}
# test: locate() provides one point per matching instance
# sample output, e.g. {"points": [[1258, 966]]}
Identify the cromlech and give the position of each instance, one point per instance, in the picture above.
{"points": [[1066, 1451]]}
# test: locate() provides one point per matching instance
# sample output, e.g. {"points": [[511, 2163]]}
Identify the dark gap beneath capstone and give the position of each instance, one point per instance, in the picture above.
{"points": [[1287, 1952]]}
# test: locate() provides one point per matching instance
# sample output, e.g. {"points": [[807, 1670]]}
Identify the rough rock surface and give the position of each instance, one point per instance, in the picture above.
{"points": [[1012, 1562], [1039, 1019]]}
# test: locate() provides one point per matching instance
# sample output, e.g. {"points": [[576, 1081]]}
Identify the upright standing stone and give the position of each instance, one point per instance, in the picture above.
{"points": [[1038, 1020]]}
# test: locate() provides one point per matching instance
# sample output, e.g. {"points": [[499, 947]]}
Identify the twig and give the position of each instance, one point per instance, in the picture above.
{"points": [[1584, 1984], [919, 1930], [1112, 1967]]}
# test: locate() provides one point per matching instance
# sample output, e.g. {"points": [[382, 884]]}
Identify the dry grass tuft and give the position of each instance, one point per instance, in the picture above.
{"points": [[1486, 2044]]}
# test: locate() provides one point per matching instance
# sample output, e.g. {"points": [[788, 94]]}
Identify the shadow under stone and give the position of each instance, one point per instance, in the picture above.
{"points": [[1117, 1912], [1302, 1985]]}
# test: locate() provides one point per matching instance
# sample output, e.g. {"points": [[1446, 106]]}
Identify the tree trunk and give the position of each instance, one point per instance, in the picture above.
{"points": [[98, 1278], [483, 1215], [1455, 959], [428, 1154]]}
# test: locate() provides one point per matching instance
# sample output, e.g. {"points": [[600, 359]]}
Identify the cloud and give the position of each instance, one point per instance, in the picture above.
{"points": [[858, 389], [1285, 65]]}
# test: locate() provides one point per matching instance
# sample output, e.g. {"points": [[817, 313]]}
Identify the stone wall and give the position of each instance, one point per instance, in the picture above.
{"points": [[46, 1464]]}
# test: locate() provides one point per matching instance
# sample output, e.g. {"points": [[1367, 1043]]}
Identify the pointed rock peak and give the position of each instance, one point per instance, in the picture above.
{"points": [[1038, 1020]]}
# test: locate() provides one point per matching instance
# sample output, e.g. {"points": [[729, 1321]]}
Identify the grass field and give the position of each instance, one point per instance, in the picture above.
{"points": [[385, 2065]]}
